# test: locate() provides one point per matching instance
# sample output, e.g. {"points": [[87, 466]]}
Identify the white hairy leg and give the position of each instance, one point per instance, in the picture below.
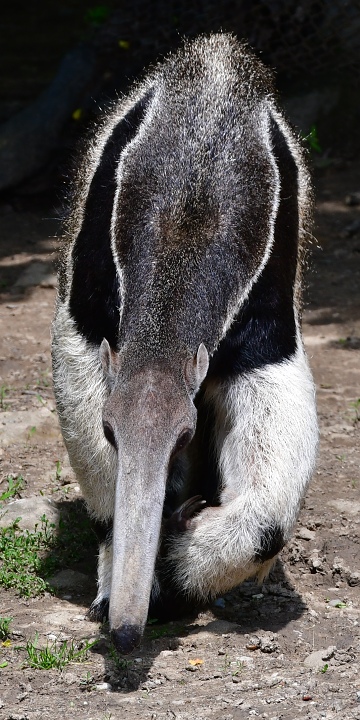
{"points": [[100, 606], [266, 455], [81, 390]]}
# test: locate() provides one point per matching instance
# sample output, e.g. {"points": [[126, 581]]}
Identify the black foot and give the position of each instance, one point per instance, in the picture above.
{"points": [[180, 519], [99, 611]]}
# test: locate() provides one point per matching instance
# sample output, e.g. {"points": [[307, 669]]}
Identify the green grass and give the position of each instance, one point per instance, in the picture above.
{"points": [[56, 654], [21, 557], [5, 627], [28, 559], [14, 486]]}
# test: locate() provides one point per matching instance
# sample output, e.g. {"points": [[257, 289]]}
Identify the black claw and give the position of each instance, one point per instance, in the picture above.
{"points": [[99, 611], [180, 519]]}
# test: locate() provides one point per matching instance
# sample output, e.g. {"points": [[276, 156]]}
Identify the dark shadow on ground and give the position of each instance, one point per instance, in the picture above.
{"points": [[27, 237], [246, 609]]}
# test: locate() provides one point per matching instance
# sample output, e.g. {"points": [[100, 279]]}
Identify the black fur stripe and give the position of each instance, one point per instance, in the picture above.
{"points": [[94, 295], [264, 331], [271, 542], [204, 473]]}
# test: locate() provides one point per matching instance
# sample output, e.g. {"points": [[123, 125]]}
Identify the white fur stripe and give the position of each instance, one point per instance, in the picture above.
{"points": [[264, 138]]}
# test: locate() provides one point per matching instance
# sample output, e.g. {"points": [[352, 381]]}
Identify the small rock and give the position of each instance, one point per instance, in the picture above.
{"points": [[354, 579], [268, 646], [346, 507], [149, 685], [304, 534], [329, 652], [103, 686], [315, 660], [68, 579], [30, 510], [313, 613], [69, 678], [336, 603], [253, 643]]}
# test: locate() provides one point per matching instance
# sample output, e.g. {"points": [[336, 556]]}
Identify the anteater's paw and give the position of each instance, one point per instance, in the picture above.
{"points": [[179, 521], [99, 610]]}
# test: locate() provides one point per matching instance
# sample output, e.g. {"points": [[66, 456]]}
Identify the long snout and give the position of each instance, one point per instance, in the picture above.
{"points": [[139, 503]]}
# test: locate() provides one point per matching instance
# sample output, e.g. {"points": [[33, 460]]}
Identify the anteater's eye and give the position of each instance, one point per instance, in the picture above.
{"points": [[182, 441], [109, 433]]}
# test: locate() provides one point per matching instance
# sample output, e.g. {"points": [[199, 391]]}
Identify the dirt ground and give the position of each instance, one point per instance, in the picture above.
{"points": [[289, 649]]}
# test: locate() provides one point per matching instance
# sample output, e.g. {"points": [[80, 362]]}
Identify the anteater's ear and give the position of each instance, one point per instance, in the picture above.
{"points": [[109, 360], [196, 369]]}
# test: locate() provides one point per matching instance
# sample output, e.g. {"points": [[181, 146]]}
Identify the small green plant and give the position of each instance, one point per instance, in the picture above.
{"points": [[324, 668], [356, 406], [120, 664], [55, 654], [32, 432], [15, 484], [239, 667], [87, 681], [5, 627], [232, 666], [226, 663], [43, 381], [58, 471], [313, 140], [3, 392]]}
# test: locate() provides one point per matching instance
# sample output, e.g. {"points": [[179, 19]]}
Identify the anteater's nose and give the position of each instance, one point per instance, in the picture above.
{"points": [[126, 638]]}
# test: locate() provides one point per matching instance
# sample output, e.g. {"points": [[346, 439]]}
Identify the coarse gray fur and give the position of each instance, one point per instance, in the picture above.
{"points": [[208, 178]]}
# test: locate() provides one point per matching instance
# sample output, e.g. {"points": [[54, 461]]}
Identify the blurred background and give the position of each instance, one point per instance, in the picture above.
{"points": [[63, 62]]}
